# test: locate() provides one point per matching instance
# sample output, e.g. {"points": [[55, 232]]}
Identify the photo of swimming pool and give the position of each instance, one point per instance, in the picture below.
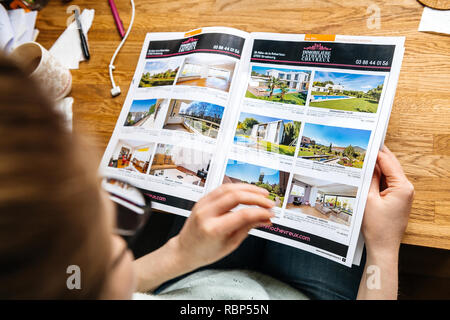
{"points": [[243, 141], [318, 98]]}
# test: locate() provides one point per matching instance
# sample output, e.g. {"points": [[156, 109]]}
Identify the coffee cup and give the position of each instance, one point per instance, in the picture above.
{"points": [[49, 73]]}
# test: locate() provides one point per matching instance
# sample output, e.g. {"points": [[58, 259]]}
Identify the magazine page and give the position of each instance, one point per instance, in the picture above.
{"points": [[175, 116], [310, 123]]}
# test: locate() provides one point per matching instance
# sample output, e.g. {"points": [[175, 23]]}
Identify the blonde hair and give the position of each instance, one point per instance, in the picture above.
{"points": [[50, 206]]}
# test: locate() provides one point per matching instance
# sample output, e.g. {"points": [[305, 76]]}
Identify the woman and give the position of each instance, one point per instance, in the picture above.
{"points": [[53, 214]]}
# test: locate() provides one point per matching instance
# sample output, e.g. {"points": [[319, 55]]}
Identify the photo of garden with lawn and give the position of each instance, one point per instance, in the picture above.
{"points": [[346, 91], [334, 145], [160, 73], [267, 134], [280, 85], [274, 181]]}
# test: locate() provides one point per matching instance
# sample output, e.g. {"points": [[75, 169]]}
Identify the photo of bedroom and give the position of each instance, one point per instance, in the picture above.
{"points": [[146, 114], [266, 133], [132, 155], [322, 199], [274, 181], [341, 147], [180, 164], [196, 117], [207, 70], [161, 72]]}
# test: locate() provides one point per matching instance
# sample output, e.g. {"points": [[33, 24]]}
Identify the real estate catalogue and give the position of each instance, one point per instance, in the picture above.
{"points": [[302, 116]]}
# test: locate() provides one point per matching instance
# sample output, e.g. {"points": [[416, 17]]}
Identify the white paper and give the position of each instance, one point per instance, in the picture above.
{"points": [[30, 22], [64, 106], [18, 22], [6, 30], [435, 20], [67, 49]]}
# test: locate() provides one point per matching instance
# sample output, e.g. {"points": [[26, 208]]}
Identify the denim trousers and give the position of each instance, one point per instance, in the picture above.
{"points": [[316, 277]]}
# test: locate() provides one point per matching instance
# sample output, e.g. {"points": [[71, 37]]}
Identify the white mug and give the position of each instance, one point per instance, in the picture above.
{"points": [[49, 73]]}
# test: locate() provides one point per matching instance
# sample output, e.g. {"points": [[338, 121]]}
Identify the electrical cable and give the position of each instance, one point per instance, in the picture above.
{"points": [[115, 91]]}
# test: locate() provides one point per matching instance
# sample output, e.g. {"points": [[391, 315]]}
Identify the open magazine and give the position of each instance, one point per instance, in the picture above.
{"points": [[302, 116]]}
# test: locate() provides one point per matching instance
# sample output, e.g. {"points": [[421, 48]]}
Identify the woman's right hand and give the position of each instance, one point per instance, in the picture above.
{"points": [[212, 231], [388, 206]]}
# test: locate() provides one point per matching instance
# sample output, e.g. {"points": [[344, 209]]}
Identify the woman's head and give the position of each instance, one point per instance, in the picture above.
{"points": [[52, 211]]}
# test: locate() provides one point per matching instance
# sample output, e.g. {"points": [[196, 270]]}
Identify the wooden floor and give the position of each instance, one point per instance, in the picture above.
{"points": [[419, 128]]}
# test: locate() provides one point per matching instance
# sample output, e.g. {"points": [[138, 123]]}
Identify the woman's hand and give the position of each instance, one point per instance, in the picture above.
{"points": [[385, 220], [212, 231], [388, 205]]}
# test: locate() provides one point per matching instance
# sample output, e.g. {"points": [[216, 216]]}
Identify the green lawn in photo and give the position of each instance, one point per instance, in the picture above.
{"points": [[353, 104], [156, 82], [272, 197], [278, 148], [289, 98]]}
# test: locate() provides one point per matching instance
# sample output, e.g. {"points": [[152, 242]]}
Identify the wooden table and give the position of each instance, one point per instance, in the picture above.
{"points": [[419, 129]]}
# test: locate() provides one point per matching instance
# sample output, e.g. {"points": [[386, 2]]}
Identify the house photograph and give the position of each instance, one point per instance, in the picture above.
{"points": [[267, 133], [132, 155], [161, 72], [196, 117], [280, 85], [343, 147], [322, 199], [346, 91], [207, 70], [274, 181], [145, 113], [180, 164]]}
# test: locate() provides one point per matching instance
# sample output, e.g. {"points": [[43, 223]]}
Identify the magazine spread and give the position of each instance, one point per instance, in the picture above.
{"points": [[302, 116]]}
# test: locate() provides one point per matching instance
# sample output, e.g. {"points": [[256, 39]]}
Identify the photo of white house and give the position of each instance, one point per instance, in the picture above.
{"points": [[132, 155], [207, 70], [181, 164], [280, 85], [322, 199], [267, 133]]}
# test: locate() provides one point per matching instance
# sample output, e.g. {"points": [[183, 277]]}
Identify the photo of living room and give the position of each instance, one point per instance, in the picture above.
{"points": [[132, 155], [322, 199], [207, 70], [146, 114], [280, 85], [274, 181], [196, 117], [346, 91], [160, 72], [181, 164], [266, 133], [343, 147]]}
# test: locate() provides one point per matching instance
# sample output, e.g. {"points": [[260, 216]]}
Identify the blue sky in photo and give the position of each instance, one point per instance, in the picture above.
{"points": [[259, 118], [196, 107], [250, 173], [161, 65], [263, 70], [142, 105], [354, 82], [339, 137]]}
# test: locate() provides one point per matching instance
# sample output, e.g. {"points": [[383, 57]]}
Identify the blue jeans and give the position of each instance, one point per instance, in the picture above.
{"points": [[317, 277]]}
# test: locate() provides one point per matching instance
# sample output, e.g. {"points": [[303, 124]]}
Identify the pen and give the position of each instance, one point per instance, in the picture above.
{"points": [[116, 16], [84, 45]]}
